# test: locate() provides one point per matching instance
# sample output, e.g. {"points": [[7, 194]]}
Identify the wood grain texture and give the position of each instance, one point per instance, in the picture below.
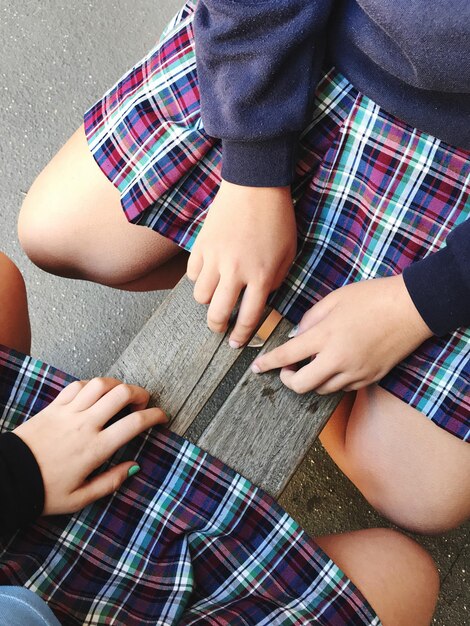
{"points": [[171, 353], [264, 430], [211, 378]]}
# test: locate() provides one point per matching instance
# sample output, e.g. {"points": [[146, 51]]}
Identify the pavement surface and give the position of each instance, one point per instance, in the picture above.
{"points": [[57, 58]]}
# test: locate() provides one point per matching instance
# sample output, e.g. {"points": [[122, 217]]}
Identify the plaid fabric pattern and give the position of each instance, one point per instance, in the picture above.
{"points": [[373, 195], [186, 541]]}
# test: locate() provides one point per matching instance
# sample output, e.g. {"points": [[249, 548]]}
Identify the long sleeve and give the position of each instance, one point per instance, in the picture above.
{"points": [[21, 485], [439, 284], [258, 63]]}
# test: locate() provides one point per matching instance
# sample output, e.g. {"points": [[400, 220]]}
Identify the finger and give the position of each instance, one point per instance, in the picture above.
{"points": [[222, 304], [251, 309], [309, 377], [206, 284], [116, 399], [92, 392], [194, 266], [69, 393], [292, 351], [102, 485], [360, 384], [338, 382], [127, 428], [315, 314]]}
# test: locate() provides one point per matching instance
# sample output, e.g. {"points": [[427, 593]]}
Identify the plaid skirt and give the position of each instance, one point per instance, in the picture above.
{"points": [[372, 195], [186, 541]]}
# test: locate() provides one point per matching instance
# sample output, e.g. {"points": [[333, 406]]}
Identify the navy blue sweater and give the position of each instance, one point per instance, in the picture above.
{"points": [[259, 62]]}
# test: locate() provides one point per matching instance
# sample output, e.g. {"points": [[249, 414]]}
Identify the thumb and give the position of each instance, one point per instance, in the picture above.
{"points": [[106, 483]]}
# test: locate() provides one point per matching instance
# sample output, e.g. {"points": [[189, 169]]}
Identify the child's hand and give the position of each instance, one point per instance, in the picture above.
{"points": [[248, 241], [68, 440], [355, 335]]}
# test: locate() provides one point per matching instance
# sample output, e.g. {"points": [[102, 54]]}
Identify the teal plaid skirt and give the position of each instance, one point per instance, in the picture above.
{"points": [[187, 541], [372, 196]]}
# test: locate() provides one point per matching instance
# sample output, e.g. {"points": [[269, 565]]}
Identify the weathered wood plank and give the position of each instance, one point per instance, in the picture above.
{"points": [[171, 353], [212, 377], [264, 430], [177, 358]]}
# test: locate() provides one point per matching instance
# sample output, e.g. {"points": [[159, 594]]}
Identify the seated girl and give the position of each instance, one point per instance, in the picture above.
{"points": [[187, 540]]}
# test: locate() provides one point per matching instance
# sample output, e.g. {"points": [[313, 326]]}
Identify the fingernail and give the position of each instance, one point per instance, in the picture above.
{"points": [[255, 368], [132, 471], [293, 332], [234, 344], [256, 342]]}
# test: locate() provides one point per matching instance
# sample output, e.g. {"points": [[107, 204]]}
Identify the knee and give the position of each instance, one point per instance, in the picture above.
{"points": [[422, 513], [15, 330], [403, 559], [421, 499], [11, 278], [407, 468], [405, 552], [396, 575], [42, 233], [33, 232], [418, 500]]}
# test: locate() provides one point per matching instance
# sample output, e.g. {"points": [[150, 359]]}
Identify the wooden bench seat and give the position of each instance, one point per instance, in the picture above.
{"points": [[253, 423]]}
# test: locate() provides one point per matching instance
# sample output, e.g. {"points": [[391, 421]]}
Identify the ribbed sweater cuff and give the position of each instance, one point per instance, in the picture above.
{"points": [[22, 485], [438, 292], [268, 163]]}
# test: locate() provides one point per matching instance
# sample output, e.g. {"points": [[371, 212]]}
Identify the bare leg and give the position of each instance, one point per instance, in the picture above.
{"points": [[15, 331], [407, 467], [397, 577], [72, 224]]}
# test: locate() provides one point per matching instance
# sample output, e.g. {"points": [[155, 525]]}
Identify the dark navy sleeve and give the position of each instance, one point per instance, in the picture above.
{"points": [[439, 284], [258, 63], [21, 485]]}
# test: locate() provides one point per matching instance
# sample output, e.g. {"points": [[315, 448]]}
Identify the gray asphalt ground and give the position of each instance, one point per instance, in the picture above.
{"points": [[57, 58]]}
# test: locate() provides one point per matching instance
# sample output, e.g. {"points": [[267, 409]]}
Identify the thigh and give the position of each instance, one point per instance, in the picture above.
{"points": [[407, 467], [397, 577], [15, 330], [72, 223]]}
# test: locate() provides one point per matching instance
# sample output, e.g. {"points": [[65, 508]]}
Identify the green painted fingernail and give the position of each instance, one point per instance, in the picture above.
{"points": [[133, 470]]}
